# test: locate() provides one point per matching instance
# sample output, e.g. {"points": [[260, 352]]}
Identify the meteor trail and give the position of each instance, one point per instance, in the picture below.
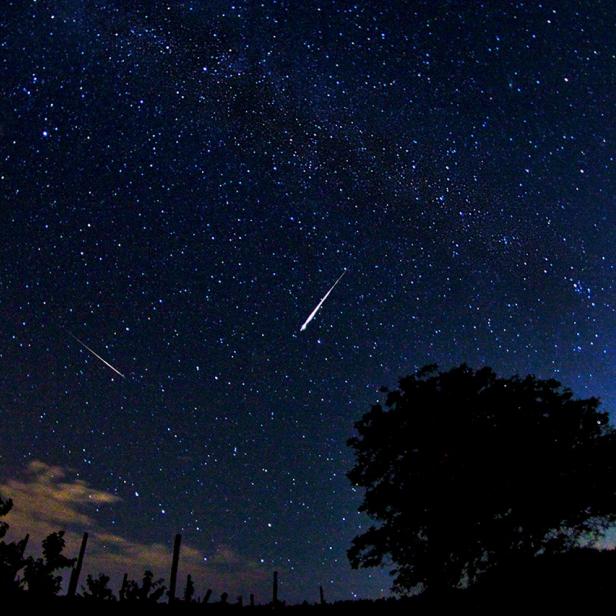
{"points": [[312, 314], [83, 344]]}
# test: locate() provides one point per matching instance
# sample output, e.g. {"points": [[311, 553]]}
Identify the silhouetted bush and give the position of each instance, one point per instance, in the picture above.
{"points": [[11, 555], [39, 572], [97, 588], [189, 591], [150, 590]]}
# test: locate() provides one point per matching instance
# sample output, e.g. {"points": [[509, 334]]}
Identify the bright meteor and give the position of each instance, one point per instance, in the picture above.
{"points": [[313, 313], [85, 346]]}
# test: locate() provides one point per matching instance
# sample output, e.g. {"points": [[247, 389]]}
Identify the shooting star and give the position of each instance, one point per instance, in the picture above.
{"points": [[83, 344], [313, 313]]}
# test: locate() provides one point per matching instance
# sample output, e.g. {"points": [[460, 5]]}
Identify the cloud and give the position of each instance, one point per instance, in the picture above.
{"points": [[46, 499]]}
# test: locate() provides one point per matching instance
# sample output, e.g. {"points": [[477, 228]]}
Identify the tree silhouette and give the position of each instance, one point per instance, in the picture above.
{"points": [[582, 573], [150, 590], [39, 572], [464, 471], [11, 555], [97, 588]]}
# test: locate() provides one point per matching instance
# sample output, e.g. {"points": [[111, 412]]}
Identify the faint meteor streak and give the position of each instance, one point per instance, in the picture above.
{"points": [[313, 313], [83, 344]]}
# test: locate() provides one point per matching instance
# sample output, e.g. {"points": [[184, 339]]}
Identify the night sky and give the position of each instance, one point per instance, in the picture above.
{"points": [[181, 183]]}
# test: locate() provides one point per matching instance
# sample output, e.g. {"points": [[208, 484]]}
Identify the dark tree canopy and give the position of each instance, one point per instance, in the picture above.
{"points": [[464, 470]]}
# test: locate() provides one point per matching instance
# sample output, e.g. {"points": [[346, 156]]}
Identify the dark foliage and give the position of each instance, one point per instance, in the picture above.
{"points": [[98, 588], [579, 576], [39, 572], [189, 591], [11, 555], [150, 590], [464, 471], [5, 506]]}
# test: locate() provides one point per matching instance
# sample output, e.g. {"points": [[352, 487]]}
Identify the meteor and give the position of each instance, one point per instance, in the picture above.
{"points": [[313, 313], [83, 344]]}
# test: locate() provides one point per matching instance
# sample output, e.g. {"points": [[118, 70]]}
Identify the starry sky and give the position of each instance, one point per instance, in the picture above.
{"points": [[182, 182]]}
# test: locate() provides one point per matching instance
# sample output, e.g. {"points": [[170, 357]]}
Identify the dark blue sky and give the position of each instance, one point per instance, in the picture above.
{"points": [[182, 182]]}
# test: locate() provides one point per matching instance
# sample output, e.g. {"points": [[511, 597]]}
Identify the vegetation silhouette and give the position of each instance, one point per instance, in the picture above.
{"points": [[464, 472], [39, 573], [97, 589], [189, 590], [11, 555], [577, 577], [485, 490], [150, 590]]}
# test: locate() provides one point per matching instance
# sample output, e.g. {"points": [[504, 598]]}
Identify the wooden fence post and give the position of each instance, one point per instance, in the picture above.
{"points": [[76, 571], [275, 589], [174, 567]]}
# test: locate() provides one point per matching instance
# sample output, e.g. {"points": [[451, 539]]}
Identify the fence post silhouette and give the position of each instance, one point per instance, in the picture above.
{"points": [[174, 567], [321, 595], [208, 594], [275, 589], [252, 600], [76, 571]]}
